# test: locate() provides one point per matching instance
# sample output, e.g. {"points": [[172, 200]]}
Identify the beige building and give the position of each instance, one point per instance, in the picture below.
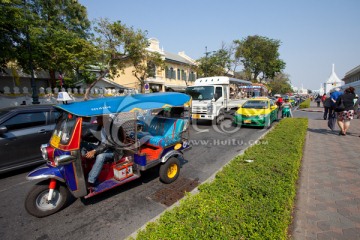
{"points": [[178, 72], [352, 79]]}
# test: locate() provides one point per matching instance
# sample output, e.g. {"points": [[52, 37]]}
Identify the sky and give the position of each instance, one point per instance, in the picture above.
{"points": [[314, 34]]}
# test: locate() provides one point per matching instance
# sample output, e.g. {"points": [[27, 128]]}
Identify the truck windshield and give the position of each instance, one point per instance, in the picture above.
{"points": [[201, 92]]}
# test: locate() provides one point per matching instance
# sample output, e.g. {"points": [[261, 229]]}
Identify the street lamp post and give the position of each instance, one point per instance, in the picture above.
{"points": [[35, 96]]}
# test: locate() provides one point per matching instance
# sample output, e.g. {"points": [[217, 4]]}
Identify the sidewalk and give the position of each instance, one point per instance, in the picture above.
{"points": [[328, 195]]}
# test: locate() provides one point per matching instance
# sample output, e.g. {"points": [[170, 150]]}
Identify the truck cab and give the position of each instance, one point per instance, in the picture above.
{"points": [[213, 97]]}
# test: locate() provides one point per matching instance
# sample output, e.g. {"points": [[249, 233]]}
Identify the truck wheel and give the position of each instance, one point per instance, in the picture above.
{"points": [[170, 170], [219, 119], [36, 202]]}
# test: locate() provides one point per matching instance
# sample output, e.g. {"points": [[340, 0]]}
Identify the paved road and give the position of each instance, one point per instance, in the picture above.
{"points": [[118, 213]]}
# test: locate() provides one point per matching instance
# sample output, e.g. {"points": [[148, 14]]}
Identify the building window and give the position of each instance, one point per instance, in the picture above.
{"points": [[183, 75], [167, 73], [151, 69], [172, 73], [178, 74], [192, 76]]}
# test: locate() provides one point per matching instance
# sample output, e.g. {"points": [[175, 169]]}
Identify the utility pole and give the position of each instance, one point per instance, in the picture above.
{"points": [[35, 96]]}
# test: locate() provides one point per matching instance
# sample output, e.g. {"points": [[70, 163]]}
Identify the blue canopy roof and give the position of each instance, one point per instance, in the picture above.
{"points": [[128, 103]]}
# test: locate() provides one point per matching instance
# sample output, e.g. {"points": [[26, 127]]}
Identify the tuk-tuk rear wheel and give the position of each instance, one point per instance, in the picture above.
{"points": [[170, 170], [36, 201]]}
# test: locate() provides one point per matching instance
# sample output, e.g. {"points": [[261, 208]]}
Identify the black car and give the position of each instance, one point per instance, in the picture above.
{"points": [[22, 131]]}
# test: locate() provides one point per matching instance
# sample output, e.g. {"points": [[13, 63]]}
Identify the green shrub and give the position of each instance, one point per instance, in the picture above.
{"points": [[305, 104], [246, 200]]}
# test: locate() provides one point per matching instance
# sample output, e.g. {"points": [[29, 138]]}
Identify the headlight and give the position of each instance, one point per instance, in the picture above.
{"points": [[209, 108], [261, 116], [64, 159], [44, 151]]}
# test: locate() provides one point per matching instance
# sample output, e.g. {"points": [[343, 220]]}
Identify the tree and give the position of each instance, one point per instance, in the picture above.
{"points": [[260, 57], [280, 84], [122, 46], [218, 63], [11, 29], [54, 29]]}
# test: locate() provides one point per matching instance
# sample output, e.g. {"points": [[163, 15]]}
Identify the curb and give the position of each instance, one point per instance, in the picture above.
{"points": [[310, 110]]}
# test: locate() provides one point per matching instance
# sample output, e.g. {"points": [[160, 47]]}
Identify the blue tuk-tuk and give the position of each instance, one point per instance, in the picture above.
{"points": [[144, 130]]}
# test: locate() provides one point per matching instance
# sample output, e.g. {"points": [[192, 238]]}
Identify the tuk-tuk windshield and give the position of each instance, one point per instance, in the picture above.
{"points": [[64, 129], [201, 92]]}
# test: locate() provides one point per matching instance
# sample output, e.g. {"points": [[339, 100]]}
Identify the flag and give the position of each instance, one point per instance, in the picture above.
{"points": [[61, 79]]}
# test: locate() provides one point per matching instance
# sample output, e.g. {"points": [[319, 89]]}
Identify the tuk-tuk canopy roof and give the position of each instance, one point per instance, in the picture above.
{"points": [[129, 103]]}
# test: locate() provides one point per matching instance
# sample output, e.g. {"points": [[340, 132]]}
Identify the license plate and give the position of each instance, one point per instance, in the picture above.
{"points": [[55, 140], [247, 121], [196, 116]]}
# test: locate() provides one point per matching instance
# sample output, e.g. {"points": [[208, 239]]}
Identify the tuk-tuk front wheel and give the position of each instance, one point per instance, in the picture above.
{"points": [[170, 170], [37, 203]]}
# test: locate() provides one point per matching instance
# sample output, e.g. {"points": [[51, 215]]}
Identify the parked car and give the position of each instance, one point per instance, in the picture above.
{"points": [[257, 112], [22, 131]]}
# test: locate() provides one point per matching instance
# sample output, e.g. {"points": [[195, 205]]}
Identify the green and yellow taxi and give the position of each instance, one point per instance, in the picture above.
{"points": [[257, 112]]}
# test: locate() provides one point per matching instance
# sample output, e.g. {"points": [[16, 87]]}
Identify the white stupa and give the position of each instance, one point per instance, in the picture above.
{"points": [[333, 81]]}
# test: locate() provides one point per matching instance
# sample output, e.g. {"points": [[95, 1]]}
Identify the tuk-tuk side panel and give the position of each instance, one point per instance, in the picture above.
{"points": [[69, 172], [140, 159], [73, 174], [75, 178]]}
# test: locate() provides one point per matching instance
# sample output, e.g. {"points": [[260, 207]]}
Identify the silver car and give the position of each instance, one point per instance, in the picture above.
{"points": [[22, 131]]}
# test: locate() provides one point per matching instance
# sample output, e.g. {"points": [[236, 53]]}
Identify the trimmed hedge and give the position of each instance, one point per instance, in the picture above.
{"points": [[246, 200], [305, 104]]}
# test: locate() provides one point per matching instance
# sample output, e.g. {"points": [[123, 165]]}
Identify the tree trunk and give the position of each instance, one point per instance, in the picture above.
{"points": [[142, 86], [52, 78], [87, 91], [142, 82]]}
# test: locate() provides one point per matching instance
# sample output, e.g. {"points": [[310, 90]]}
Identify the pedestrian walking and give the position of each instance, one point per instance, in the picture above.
{"points": [[279, 101], [323, 98], [344, 117], [327, 107], [318, 100]]}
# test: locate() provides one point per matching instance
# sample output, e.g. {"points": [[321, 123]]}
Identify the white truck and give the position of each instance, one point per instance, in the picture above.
{"points": [[214, 97]]}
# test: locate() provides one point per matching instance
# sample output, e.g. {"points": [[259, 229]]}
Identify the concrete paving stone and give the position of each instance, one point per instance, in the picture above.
{"points": [[342, 222], [324, 215], [323, 225], [355, 218], [345, 203], [346, 212], [325, 235], [351, 233], [329, 235]]}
